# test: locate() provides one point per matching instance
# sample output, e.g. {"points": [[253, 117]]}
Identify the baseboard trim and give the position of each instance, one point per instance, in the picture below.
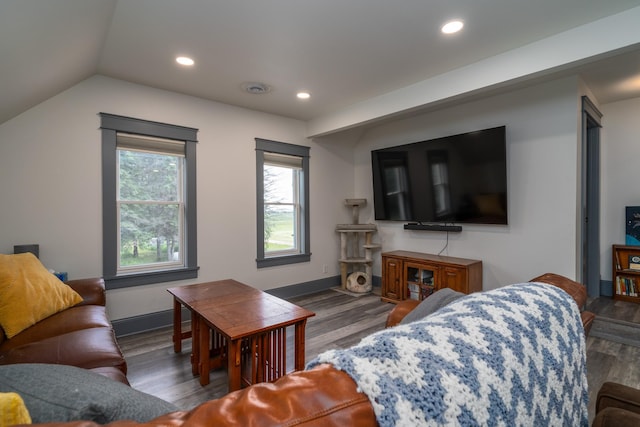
{"points": [[146, 322], [305, 288], [163, 319]]}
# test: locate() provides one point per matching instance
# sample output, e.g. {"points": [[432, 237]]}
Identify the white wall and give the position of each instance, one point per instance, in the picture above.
{"points": [[542, 172], [50, 181], [620, 151]]}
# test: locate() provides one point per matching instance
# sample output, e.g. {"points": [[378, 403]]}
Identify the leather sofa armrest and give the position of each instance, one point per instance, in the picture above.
{"points": [[587, 321], [577, 290], [400, 311], [91, 290], [614, 395], [616, 417], [322, 396]]}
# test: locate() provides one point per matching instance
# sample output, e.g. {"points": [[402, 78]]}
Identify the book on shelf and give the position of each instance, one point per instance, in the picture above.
{"points": [[634, 262], [626, 286]]}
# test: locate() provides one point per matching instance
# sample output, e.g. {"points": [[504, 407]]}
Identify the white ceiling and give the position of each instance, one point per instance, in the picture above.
{"points": [[342, 51]]}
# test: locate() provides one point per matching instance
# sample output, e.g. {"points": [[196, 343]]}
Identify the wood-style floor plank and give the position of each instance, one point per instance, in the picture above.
{"points": [[341, 321]]}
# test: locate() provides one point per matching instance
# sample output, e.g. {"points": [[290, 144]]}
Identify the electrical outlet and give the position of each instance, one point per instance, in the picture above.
{"points": [[325, 268]]}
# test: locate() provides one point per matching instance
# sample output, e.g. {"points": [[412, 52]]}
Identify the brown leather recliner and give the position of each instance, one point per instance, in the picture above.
{"points": [[617, 405]]}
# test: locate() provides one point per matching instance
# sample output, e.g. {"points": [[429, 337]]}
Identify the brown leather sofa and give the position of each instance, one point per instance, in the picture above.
{"points": [[322, 396], [79, 336]]}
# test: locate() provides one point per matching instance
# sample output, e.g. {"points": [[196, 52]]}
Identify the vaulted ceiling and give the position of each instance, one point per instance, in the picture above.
{"points": [[344, 53]]}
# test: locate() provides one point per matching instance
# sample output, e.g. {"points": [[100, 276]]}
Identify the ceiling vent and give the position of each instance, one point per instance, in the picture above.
{"points": [[256, 88]]}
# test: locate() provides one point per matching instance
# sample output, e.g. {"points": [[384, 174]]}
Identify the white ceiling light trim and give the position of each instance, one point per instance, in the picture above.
{"points": [[303, 95], [452, 27]]}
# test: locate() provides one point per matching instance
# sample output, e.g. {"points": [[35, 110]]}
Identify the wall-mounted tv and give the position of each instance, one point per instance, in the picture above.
{"points": [[454, 179]]}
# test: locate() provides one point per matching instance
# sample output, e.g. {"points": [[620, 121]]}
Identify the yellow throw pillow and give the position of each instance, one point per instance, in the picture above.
{"points": [[30, 293], [12, 410]]}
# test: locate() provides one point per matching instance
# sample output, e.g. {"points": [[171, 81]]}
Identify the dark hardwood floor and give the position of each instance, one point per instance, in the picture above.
{"points": [[607, 360], [342, 320]]}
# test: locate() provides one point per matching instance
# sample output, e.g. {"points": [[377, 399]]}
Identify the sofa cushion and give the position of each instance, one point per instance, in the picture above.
{"points": [[431, 304], [86, 348], [58, 393], [70, 320], [29, 293], [112, 373]]}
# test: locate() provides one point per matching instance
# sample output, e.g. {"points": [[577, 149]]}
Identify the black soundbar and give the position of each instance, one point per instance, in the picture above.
{"points": [[432, 227]]}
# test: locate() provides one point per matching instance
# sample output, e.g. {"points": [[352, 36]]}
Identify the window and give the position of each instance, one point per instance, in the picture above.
{"points": [[149, 218], [150, 203], [282, 189]]}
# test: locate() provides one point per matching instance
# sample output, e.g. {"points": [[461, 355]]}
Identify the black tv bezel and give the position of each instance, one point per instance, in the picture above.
{"points": [[417, 223]]}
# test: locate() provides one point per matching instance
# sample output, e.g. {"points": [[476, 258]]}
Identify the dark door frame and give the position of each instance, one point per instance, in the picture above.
{"points": [[590, 198]]}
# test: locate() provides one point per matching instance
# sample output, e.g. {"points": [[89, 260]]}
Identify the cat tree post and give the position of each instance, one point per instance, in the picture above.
{"points": [[350, 249]]}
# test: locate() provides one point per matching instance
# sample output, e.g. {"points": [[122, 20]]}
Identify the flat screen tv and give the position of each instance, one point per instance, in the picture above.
{"points": [[454, 179]]}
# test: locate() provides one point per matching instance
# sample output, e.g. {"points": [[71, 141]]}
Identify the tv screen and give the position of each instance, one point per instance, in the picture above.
{"points": [[454, 179]]}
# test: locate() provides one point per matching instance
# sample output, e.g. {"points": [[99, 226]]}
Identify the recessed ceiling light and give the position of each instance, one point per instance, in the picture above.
{"points": [[184, 60], [303, 95], [452, 27], [256, 88]]}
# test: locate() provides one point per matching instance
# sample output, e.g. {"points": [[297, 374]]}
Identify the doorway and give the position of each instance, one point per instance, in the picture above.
{"points": [[590, 215]]}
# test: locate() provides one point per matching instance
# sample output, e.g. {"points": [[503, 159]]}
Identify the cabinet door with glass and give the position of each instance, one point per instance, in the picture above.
{"points": [[416, 275], [420, 280]]}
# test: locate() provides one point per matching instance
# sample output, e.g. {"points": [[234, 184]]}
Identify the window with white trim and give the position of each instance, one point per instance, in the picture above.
{"points": [[149, 218], [282, 172]]}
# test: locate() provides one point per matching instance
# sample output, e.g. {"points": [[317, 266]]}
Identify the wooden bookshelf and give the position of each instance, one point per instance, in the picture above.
{"points": [[626, 274]]}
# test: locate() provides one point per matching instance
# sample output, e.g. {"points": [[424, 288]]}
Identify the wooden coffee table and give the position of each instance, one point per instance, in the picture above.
{"points": [[240, 325]]}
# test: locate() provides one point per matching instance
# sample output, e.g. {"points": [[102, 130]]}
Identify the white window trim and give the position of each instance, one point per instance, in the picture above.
{"points": [[297, 211]]}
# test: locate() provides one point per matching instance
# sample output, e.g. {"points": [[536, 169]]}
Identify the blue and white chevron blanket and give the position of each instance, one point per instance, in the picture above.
{"points": [[506, 357]]}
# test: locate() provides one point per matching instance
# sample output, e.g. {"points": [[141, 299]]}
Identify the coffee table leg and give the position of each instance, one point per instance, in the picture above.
{"points": [[177, 326], [299, 345], [195, 343], [204, 367], [234, 363], [204, 359]]}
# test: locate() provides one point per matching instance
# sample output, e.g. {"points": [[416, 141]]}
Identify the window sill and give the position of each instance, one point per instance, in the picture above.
{"points": [[283, 260], [129, 280]]}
